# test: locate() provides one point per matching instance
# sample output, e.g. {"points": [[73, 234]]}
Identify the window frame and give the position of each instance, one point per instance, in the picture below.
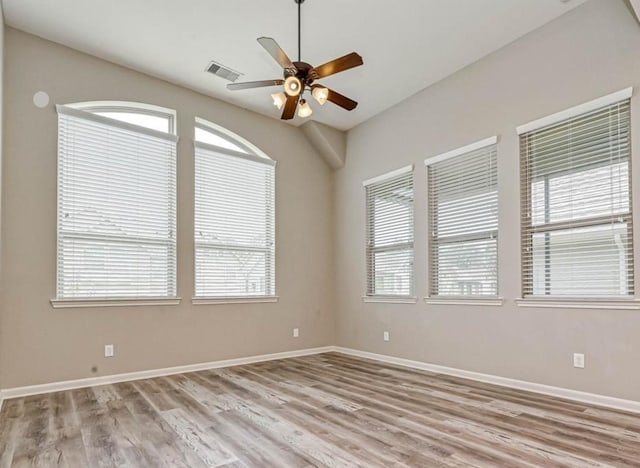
{"points": [[225, 134], [93, 107], [253, 153], [370, 252], [527, 228], [432, 238]]}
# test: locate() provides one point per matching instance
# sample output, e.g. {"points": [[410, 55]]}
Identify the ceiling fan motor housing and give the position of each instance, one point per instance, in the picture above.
{"points": [[304, 72]]}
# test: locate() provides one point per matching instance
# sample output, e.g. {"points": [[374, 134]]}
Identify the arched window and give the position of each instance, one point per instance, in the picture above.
{"points": [[234, 217], [116, 201], [144, 115]]}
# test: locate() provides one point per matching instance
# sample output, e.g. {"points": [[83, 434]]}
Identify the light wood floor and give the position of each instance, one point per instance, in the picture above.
{"points": [[325, 410]]}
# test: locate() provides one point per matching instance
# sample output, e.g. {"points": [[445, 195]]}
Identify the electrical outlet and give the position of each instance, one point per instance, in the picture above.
{"points": [[108, 350], [296, 332], [578, 360], [385, 336]]}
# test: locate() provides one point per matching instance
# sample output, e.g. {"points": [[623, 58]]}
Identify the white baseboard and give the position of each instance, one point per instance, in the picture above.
{"points": [[568, 394], [575, 395], [17, 392]]}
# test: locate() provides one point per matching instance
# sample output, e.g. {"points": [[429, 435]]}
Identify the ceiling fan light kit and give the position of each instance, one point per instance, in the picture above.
{"points": [[299, 78]]}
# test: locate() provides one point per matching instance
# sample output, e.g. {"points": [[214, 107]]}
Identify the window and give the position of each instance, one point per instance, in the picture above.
{"points": [[389, 200], [234, 217], [576, 205], [463, 221], [143, 115], [116, 204]]}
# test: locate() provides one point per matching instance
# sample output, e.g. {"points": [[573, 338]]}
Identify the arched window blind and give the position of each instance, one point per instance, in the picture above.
{"points": [[116, 208], [463, 221], [234, 221], [389, 200], [577, 238]]}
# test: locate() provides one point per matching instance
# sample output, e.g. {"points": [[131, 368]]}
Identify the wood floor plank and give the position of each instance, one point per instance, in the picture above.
{"points": [[253, 446], [160, 441], [496, 423], [404, 408], [204, 444], [323, 410], [346, 414]]}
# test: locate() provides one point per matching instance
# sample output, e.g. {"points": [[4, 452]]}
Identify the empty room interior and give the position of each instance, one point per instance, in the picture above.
{"points": [[304, 233]]}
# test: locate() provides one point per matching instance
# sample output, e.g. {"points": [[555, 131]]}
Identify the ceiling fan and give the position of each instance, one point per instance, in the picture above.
{"points": [[300, 77]]}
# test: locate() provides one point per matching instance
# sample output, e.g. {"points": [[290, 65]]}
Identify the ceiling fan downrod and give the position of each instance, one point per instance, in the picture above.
{"points": [[299, 2]]}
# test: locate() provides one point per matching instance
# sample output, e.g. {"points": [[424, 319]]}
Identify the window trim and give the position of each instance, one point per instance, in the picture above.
{"points": [[493, 140], [575, 111], [494, 299], [387, 175], [114, 302], [237, 154], [557, 302], [85, 110], [220, 300], [227, 134], [129, 106], [390, 299], [253, 154], [465, 300], [385, 298], [88, 115]]}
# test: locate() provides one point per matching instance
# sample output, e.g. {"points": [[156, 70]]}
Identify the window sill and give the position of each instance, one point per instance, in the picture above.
{"points": [[106, 302], [467, 301], [390, 300], [233, 300], [559, 303]]}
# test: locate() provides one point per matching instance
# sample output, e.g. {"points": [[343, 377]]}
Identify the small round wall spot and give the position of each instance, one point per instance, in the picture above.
{"points": [[41, 99]]}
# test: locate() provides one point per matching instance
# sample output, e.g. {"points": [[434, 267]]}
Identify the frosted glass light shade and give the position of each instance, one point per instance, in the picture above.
{"points": [[305, 109], [320, 94], [279, 99], [292, 86]]}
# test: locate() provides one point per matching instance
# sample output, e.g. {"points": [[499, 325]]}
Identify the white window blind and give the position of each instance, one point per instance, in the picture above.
{"points": [[463, 223], [116, 209], [234, 223], [390, 234], [577, 238]]}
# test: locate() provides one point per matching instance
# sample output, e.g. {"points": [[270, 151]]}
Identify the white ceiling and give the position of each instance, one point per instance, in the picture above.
{"points": [[407, 45]]}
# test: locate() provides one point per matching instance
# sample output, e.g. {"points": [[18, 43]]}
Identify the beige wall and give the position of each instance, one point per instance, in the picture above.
{"points": [[1, 125], [590, 52], [39, 344], [1, 121]]}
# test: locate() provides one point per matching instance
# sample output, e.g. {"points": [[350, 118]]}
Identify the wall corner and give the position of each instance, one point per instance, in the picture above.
{"points": [[330, 143]]}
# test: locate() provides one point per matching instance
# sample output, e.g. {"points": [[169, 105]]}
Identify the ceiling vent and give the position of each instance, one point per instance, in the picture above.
{"points": [[220, 70]]}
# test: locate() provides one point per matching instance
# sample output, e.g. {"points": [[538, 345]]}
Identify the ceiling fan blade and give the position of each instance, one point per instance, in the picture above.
{"points": [[277, 53], [254, 84], [290, 108], [338, 65], [340, 100]]}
